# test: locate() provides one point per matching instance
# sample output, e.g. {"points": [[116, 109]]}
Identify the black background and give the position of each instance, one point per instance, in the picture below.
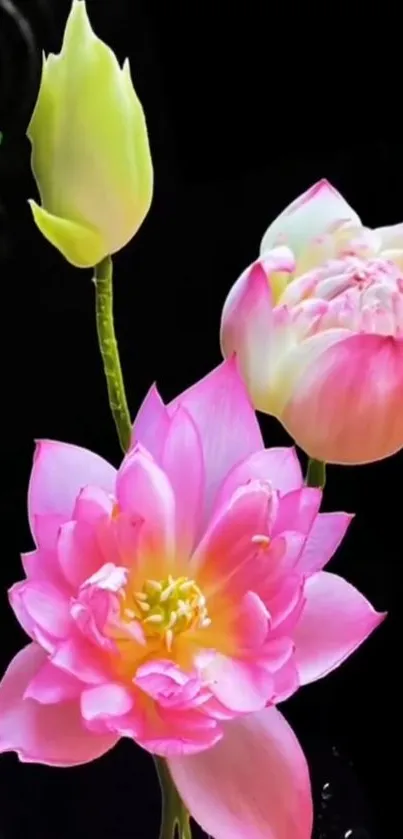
{"points": [[247, 106]]}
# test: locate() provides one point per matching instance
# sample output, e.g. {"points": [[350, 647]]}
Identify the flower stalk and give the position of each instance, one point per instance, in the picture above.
{"points": [[109, 350], [316, 473], [174, 813]]}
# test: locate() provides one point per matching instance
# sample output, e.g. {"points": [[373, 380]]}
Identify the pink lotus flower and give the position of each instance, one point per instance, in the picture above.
{"points": [[317, 324], [176, 602]]}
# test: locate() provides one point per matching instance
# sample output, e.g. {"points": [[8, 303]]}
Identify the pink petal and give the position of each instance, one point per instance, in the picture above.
{"points": [[241, 685], [58, 474], [169, 733], [78, 551], [310, 215], [335, 621], [182, 461], [145, 493], [45, 607], [216, 403], [93, 504], [254, 784], [78, 657], [252, 622], [324, 538], [228, 541], [355, 383], [50, 734], [151, 424], [50, 685], [280, 466], [247, 323], [298, 510], [43, 563], [286, 682], [102, 702], [47, 530]]}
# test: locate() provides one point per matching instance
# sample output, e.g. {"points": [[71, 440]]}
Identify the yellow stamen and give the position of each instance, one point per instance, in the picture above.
{"points": [[168, 607]]}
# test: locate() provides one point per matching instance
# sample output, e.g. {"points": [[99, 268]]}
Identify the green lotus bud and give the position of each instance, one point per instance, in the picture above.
{"points": [[90, 151]]}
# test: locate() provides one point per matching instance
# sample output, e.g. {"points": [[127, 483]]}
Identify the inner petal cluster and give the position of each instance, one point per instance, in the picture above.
{"points": [[166, 608]]}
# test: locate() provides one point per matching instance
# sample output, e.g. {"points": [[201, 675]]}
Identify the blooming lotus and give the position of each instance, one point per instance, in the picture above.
{"points": [[176, 602], [90, 151], [317, 324]]}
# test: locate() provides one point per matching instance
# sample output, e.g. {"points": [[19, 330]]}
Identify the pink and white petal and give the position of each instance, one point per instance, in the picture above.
{"points": [[78, 657], [79, 552], [251, 622], [151, 424], [168, 733], [340, 385], [144, 492], [50, 685], [102, 703], [247, 327], [325, 536], [44, 606], [271, 802], [59, 473], [285, 603], [279, 466], [228, 541], [182, 461], [47, 529], [51, 734], [308, 216], [297, 511], [216, 403], [42, 565], [93, 504], [286, 682], [240, 684], [335, 621]]}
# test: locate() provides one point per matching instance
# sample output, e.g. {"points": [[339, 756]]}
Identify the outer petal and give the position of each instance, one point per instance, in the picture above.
{"points": [[42, 610], [50, 734], [308, 216], [230, 801], [59, 472], [247, 327], [50, 685], [344, 399], [335, 621], [151, 424], [217, 403], [182, 460], [79, 243], [279, 466], [326, 534]]}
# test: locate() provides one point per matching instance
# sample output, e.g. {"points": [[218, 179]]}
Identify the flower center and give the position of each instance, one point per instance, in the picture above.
{"points": [[167, 607]]}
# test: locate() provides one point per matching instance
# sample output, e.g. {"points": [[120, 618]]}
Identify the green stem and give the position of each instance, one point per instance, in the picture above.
{"points": [[174, 813], [109, 351], [316, 473]]}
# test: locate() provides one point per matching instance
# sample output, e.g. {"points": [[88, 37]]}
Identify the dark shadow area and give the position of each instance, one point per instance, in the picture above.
{"points": [[246, 108]]}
